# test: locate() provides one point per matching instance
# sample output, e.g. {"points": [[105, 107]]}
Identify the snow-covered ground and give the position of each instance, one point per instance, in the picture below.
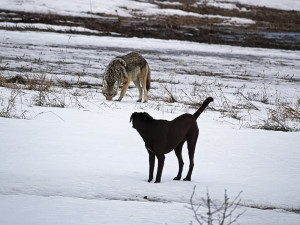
{"points": [[79, 166], [126, 7], [85, 164], [276, 4]]}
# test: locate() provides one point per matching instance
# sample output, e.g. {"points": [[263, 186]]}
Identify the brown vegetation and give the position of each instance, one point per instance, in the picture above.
{"points": [[272, 28]]}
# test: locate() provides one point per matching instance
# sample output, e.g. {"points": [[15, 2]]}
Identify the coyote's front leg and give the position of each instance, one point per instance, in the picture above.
{"points": [[124, 89]]}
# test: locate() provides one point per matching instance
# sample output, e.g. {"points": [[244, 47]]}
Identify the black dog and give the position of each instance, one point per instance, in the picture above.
{"points": [[162, 136]]}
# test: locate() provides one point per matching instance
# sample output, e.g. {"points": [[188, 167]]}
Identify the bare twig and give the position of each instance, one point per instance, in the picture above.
{"points": [[223, 214]]}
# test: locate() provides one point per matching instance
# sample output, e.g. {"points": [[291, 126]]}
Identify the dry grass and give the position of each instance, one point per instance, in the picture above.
{"points": [[281, 118], [280, 114]]}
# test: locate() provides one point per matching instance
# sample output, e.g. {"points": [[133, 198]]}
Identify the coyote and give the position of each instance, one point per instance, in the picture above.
{"points": [[123, 70]]}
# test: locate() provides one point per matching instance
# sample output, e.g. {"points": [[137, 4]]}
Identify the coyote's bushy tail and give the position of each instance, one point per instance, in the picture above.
{"points": [[203, 106]]}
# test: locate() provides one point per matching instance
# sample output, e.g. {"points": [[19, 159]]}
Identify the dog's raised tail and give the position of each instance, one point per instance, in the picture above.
{"points": [[203, 106]]}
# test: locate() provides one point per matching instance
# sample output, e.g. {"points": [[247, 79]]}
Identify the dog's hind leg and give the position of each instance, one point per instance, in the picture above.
{"points": [[189, 174], [191, 148], [151, 165], [161, 161], [178, 151]]}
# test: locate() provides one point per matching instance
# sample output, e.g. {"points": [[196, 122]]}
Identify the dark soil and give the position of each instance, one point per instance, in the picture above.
{"points": [[273, 28]]}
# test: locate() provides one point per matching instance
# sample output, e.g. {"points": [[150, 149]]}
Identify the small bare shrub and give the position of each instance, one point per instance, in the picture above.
{"points": [[261, 95], [281, 117], [201, 91], [293, 112], [230, 109], [8, 107], [50, 99], [244, 101], [171, 98], [45, 96], [223, 214], [2, 81], [39, 83]]}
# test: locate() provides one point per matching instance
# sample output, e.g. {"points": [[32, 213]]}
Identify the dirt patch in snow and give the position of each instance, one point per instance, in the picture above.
{"points": [[268, 28]]}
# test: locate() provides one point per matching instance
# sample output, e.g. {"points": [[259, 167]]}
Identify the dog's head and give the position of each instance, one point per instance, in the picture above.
{"points": [[137, 117], [113, 77]]}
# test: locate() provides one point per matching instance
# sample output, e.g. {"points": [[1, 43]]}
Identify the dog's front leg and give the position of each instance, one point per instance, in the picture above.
{"points": [[151, 165], [161, 161]]}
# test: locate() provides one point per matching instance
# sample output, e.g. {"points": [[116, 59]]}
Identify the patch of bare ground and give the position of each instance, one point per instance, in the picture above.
{"points": [[33, 83], [270, 28]]}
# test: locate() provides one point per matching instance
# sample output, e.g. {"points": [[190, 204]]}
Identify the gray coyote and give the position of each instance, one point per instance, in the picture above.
{"points": [[123, 70]]}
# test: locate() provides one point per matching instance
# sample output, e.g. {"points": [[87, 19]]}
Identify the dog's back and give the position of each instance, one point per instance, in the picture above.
{"points": [[176, 130], [164, 134]]}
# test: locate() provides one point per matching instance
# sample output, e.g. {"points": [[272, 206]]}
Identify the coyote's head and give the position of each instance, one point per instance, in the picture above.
{"points": [[113, 77]]}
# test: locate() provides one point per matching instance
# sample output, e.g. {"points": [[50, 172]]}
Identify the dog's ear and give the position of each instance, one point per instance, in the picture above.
{"points": [[132, 116]]}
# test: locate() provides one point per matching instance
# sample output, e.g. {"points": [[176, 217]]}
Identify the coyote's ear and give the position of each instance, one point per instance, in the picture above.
{"points": [[123, 62]]}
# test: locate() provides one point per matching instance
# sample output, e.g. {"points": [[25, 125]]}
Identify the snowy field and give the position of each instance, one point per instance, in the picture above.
{"points": [[126, 7], [67, 156]]}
